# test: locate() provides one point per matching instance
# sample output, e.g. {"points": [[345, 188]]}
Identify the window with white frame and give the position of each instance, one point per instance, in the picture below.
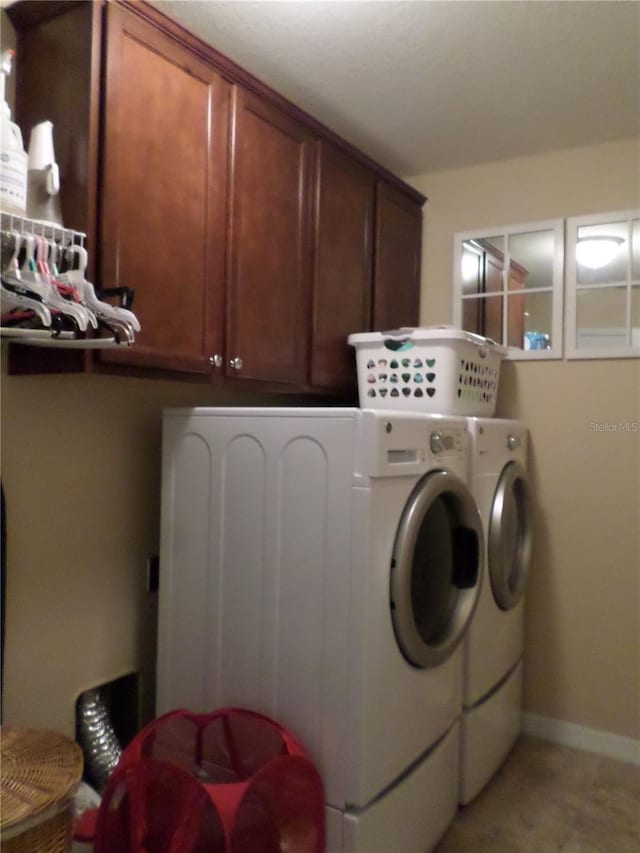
{"points": [[603, 285], [508, 286]]}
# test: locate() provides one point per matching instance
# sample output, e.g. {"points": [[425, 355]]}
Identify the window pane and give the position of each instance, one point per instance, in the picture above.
{"points": [[601, 319], [483, 316], [472, 315], [516, 319], [494, 265], [532, 257], [534, 326], [635, 250], [492, 307], [495, 245], [601, 253], [472, 262]]}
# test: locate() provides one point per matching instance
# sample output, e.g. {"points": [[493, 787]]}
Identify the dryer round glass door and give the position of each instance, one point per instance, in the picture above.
{"points": [[435, 568], [509, 541]]}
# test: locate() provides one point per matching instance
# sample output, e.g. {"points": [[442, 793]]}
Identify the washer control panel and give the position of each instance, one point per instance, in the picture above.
{"points": [[399, 443]]}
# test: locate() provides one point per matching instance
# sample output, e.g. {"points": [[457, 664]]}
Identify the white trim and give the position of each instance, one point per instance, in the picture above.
{"points": [[515, 354], [610, 217], [592, 740]]}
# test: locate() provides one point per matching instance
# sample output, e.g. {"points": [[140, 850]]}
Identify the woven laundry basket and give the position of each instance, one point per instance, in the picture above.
{"points": [[39, 772]]}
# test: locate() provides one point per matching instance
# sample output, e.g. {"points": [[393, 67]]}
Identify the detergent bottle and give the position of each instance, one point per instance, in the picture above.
{"points": [[13, 158]]}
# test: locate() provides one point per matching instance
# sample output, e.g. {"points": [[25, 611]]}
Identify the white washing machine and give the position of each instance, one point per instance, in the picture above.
{"points": [[321, 566], [493, 646]]}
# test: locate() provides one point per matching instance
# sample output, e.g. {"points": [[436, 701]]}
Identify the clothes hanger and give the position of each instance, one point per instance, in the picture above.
{"points": [[22, 298], [20, 302], [15, 297], [66, 288], [12, 265], [35, 290], [27, 267], [120, 322], [77, 258], [54, 298]]}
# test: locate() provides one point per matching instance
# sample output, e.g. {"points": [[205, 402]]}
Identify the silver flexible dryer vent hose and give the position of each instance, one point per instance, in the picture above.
{"points": [[97, 738]]}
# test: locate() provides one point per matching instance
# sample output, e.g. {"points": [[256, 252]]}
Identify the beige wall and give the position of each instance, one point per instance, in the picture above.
{"points": [[582, 662], [81, 475]]}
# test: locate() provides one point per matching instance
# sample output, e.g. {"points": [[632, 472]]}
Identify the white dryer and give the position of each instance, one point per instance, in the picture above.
{"points": [[321, 566], [493, 646]]}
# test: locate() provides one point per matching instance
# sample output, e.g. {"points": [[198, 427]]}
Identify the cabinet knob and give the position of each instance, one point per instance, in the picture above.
{"points": [[236, 363], [215, 360]]}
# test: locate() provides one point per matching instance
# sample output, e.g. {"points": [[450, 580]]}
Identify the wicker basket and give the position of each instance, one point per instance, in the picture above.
{"points": [[39, 773]]}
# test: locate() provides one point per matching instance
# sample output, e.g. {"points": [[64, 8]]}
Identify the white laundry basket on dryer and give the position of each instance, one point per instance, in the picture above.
{"points": [[434, 369]]}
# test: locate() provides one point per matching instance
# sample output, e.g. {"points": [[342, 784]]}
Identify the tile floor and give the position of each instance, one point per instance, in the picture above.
{"points": [[548, 799], [552, 799]]}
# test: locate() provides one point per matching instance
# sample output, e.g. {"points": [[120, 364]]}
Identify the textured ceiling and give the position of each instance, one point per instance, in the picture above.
{"points": [[431, 85]]}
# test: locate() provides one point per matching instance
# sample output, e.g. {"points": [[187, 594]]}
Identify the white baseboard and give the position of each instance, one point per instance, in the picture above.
{"points": [[580, 737]]}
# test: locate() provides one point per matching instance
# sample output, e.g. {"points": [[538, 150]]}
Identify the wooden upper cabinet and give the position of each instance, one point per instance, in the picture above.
{"points": [[164, 196], [254, 239], [269, 243], [344, 214], [396, 286]]}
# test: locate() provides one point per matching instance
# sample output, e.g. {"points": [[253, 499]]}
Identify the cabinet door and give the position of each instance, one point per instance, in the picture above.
{"points": [[396, 288], [345, 197], [164, 193], [269, 277]]}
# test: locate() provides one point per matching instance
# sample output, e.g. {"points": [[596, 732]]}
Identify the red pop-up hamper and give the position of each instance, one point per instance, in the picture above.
{"points": [[233, 781]]}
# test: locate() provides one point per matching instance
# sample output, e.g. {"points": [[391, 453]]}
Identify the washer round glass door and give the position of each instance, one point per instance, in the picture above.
{"points": [[509, 542], [435, 568]]}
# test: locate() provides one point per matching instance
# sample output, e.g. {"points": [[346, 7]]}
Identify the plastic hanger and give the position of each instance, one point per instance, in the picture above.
{"points": [[60, 282], [12, 265], [18, 297], [54, 298], [28, 269], [41, 304], [78, 258], [15, 297], [20, 302]]}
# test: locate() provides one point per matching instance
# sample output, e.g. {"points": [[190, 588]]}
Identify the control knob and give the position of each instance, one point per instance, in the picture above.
{"points": [[435, 442]]}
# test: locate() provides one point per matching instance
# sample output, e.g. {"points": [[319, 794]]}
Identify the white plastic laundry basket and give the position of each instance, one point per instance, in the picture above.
{"points": [[437, 369]]}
